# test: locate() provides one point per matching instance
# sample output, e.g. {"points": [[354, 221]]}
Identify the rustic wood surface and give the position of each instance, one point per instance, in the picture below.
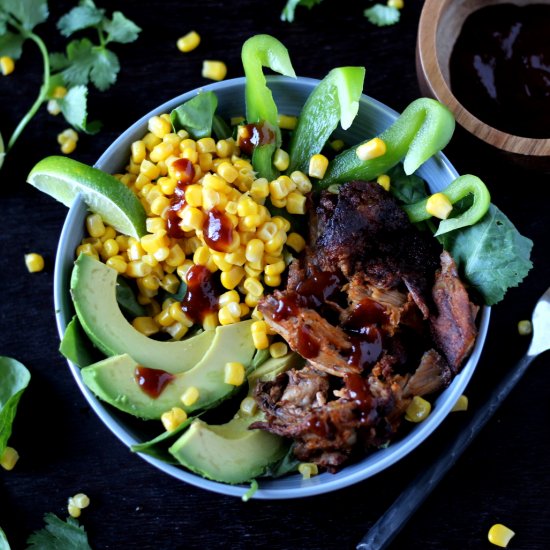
{"points": [[504, 477]]}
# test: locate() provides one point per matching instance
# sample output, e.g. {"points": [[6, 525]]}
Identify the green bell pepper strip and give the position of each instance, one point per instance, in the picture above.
{"points": [[335, 98], [260, 51], [457, 190], [423, 129]]}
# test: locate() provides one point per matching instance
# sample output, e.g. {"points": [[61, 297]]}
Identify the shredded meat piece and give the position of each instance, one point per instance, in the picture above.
{"points": [[453, 327], [362, 307]]}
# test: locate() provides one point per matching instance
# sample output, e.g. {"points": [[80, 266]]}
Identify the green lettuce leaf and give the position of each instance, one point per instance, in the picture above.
{"points": [[407, 189], [14, 378], [492, 255]]}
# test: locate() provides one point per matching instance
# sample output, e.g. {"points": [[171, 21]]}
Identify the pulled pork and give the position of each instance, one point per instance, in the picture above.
{"points": [[380, 315]]}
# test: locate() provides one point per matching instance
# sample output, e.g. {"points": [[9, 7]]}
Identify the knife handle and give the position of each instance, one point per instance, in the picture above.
{"points": [[381, 534]]}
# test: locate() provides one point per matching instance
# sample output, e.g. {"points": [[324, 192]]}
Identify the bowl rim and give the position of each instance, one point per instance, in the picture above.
{"points": [[316, 485], [429, 73]]}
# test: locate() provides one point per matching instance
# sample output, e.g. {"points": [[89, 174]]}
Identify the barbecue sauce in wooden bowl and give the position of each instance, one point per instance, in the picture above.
{"points": [[500, 68]]}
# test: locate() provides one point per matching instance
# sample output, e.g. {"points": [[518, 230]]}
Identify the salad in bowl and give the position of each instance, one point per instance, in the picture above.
{"points": [[283, 282]]}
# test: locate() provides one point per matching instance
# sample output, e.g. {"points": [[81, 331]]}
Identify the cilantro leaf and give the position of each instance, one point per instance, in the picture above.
{"points": [[381, 15], [85, 15], [58, 61], [79, 62], [74, 108], [57, 535], [120, 29], [3, 22], [105, 69], [4, 544], [288, 11], [28, 12], [492, 254], [11, 44]]}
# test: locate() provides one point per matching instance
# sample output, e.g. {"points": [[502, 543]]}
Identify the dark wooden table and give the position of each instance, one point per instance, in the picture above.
{"points": [[505, 475]]}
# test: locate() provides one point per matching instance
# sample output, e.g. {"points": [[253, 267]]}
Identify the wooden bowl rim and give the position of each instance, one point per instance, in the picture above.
{"points": [[430, 19]]}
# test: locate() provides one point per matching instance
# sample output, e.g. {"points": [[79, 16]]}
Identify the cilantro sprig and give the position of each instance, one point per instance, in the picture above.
{"points": [[83, 62], [379, 14], [69, 535]]}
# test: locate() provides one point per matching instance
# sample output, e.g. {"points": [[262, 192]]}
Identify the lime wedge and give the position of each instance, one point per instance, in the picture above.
{"points": [[64, 179], [2, 154]]}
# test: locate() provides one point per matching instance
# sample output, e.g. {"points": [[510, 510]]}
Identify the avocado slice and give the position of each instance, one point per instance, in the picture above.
{"points": [[231, 453], [114, 378], [93, 288]]}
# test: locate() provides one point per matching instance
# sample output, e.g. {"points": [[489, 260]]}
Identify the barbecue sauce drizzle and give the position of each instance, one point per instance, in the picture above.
{"points": [[362, 328], [152, 381]]}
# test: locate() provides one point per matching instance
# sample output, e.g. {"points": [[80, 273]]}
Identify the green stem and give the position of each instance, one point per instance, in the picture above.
{"points": [[43, 89]]}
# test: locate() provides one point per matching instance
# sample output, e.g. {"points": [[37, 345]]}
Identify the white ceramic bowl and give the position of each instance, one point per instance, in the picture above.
{"points": [[289, 95]]}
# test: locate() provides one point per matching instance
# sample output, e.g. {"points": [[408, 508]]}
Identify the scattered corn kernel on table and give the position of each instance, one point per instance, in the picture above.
{"points": [[65, 449]]}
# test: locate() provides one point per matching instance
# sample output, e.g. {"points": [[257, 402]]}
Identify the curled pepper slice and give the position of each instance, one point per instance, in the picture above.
{"points": [[457, 190], [335, 98], [423, 129], [263, 50]]}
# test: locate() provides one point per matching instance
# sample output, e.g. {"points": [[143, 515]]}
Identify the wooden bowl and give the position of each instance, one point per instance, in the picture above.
{"points": [[439, 27]]}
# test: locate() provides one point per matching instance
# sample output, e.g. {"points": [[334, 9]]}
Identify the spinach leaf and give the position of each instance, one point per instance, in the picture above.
{"points": [[492, 255], [158, 447], [196, 115], [76, 346], [15, 378], [407, 189], [220, 128], [126, 298]]}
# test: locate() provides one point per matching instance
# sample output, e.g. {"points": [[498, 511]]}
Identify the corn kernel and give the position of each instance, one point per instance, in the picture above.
{"points": [[210, 321], [74, 511], [281, 223], [201, 255], [384, 181], [177, 331], [253, 286], [278, 349], [318, 165], [439, 205], [461, 404], [147, 168], [234, 373], [214, 70], [275, 268], [138, 151], [296, 203], [145, 325], [308, 469], [259, 335], [81, 500], [274, 245], [190, 396], [161, 152], [248, 406], [153, 242], [34, 262], [188, 42], [525, 327], [397, 4], [7, 65], [9, 458], [227, 171], [303, 183], [159, 126], [230, 279], [371, 149], [278, 189], [138, 268], [53, 107], [237, 257], [281, 160], [286, 122], [225, 317], [500, 535], [296, 242], [68, 146], [206, 145], [173, 418], [150, 140], [110, 249], [67, 135], [117, 263], [229, 297], [418, 410], [224, 148]]}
